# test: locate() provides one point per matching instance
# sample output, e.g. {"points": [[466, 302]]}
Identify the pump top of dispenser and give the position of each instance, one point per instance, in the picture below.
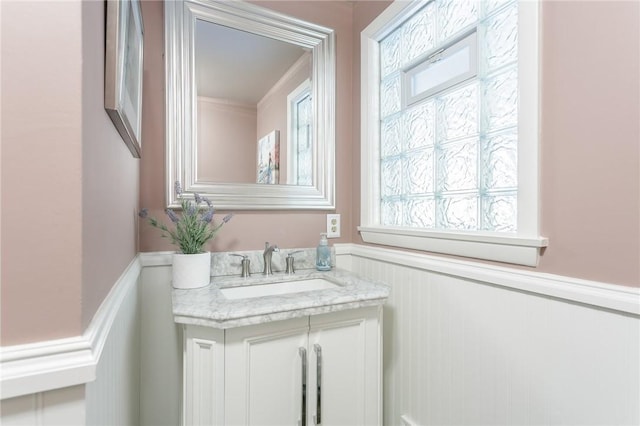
{"points": [[323, 239]]}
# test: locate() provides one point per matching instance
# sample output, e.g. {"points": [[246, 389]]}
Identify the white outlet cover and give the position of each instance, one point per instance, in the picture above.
{"points": [[333, 225]]}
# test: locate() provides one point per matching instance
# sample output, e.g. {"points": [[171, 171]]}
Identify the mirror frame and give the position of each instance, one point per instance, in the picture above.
{"points": [[181, 99]]}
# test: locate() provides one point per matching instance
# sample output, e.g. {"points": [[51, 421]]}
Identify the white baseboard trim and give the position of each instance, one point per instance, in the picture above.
{"points": [[52, 364], [603, 295]]}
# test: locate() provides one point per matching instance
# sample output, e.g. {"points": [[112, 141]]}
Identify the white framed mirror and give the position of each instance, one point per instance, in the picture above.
{"points": [[261, 162]]}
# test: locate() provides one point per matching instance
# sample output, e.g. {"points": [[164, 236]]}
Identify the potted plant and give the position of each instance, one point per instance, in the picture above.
{"points": [[192, 229]]}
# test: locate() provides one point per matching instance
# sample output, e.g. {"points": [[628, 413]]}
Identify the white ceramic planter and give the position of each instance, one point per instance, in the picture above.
{"points": [[191, 270]]}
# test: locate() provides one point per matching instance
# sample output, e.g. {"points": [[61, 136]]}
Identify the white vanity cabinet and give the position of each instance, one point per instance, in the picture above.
{"points": [[203, 376], [320, 369]]}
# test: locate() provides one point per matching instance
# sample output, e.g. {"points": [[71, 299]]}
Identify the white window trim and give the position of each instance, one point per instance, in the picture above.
{"points": [[292, 141], [521, 248]]}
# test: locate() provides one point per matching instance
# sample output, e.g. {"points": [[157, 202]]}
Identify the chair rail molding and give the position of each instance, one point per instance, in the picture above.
{"points": [[603, 295], [53, 364]]}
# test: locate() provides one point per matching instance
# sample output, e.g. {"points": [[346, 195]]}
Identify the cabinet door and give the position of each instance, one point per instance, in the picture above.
{"points": [[203, 376], [263, 373], [345, 368]]}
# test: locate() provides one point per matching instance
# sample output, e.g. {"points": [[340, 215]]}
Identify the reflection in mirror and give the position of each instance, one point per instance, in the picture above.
{"points": [[250, 98], [300, 142], [250, 87]]}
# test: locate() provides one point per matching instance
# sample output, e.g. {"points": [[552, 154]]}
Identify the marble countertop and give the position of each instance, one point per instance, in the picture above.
{"points": [[207, 306]]}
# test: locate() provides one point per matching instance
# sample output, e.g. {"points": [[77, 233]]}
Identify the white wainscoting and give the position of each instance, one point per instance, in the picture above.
{"points": [[465, 343], [114, 397], [89, 379], [58, 407], [161, 345], [470, 344]]}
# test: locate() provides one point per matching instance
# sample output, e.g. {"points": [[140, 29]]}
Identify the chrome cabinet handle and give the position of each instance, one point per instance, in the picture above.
{"points": [[318, 350], [303, 409]]}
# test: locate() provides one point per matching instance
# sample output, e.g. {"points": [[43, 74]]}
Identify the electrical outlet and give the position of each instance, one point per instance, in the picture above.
{"points": [[333, 225]]}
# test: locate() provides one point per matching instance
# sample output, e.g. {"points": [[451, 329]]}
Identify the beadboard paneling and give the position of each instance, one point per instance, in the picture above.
{"points": [[161, 348], [466, 352], [114, 397], [58, 407]]}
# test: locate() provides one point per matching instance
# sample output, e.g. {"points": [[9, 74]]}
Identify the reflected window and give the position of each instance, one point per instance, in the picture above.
{"points": [[299, 145]]}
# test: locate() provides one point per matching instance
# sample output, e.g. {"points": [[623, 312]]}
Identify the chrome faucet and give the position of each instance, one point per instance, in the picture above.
{"points": [[268, 252]]}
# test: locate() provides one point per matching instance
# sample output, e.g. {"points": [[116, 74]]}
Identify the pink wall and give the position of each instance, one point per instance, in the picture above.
{"points": [[591, 140], [152, 160], [41, 171], [69, 184], [364, 12], [226, 141], [590, 183], [249, 230], [110, 177]]}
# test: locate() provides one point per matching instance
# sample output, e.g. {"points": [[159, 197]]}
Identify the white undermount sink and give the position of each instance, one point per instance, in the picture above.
{"points": [[275, 289]]}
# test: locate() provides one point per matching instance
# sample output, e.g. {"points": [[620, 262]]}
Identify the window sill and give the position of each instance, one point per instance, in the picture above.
{"points": [[510, 249]]}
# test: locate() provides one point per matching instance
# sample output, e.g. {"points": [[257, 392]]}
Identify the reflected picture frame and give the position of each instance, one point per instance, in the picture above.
{"points": [[124, 70], [268, 159]]}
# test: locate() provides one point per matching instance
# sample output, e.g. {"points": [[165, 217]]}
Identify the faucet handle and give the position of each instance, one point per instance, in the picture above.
{"points": [[290, 268], [245, 262]]}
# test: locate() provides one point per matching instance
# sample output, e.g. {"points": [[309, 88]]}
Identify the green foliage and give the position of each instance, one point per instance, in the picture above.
{"points": [[193, 228]]}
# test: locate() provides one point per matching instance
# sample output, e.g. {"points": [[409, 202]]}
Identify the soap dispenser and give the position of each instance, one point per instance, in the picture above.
{"points": [[323, 254]]}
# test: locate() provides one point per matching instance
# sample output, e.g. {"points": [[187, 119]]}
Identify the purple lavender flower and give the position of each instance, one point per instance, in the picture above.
{"points": [[194, 227], [172, 216], [208, 216]]}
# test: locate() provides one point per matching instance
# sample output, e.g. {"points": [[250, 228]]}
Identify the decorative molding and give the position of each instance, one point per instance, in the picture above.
{"points": [[602, 295], [180, 17], [41, 366], [203, 376], [290, 73], [508, 249], [227, 103], [52, 364]]}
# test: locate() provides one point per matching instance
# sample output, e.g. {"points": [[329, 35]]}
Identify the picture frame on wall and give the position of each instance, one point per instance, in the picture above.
{"points": [[268, 161], [123, 70]]}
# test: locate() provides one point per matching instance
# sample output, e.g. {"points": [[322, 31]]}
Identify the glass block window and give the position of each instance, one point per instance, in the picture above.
{"points": [[449, 118]]}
